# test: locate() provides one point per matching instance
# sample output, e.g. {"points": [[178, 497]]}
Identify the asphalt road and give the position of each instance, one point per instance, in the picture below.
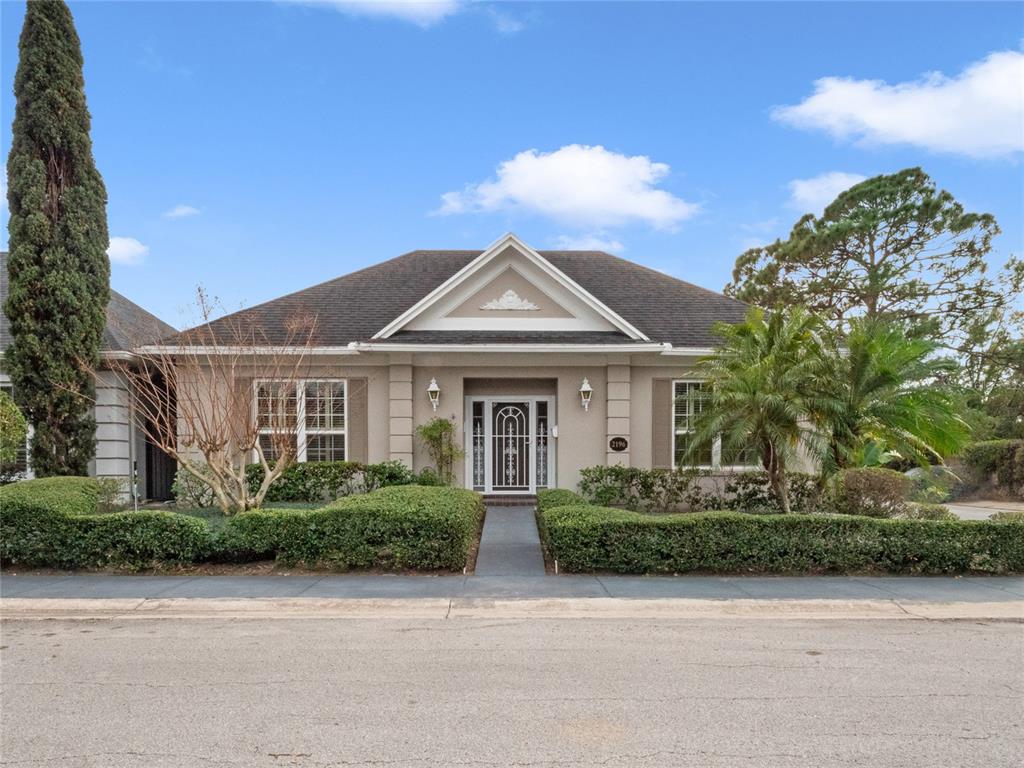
{"points": [[416, 692]]}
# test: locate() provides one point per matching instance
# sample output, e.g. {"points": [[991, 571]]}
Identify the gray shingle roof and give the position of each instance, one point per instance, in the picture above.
{"points": [[128, 324], [355, 306]]}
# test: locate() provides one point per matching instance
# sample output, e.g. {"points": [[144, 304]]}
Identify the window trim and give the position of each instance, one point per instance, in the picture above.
{"points": [[302, 432], [716, 447]]}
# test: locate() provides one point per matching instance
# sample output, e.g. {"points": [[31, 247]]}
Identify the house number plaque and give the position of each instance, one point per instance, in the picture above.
{"points": [[618, 444]]}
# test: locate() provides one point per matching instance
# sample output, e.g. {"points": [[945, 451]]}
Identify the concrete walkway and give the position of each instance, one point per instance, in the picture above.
{"points": [[510, 544], [941, 589], [982, 510]]}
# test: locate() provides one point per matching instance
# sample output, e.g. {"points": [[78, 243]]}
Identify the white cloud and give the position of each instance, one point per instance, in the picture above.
{"points": [[812, 195], [180, 212], [423, 13], [126, 250], [589, 243], [503, 23], [979, 113], [583, 185]]}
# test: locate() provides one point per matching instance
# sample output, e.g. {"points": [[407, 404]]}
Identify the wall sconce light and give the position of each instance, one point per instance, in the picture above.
{"points": [[434, 393], [585, 393]]}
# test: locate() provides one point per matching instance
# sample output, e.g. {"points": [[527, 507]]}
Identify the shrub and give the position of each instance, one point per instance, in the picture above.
{"points": [[751, 492], [870, 492], [654, 490], [549, 498], [190, 492], [53, 522], [922, 511], [588, 538], [392, 528], [309, 481], [1002, 460], [438, 437], [386, 474], [1008, 516], [112, 493]]}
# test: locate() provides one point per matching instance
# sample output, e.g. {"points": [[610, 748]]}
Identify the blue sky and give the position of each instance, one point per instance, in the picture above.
{"points": [[258, 148]]}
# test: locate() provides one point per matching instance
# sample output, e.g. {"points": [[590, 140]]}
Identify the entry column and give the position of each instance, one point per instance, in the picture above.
{"points": [[400, 413], [617, 431]]}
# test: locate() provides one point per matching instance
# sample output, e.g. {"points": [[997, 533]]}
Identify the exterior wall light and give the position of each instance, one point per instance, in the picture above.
{"points": [[434, 393], [586, 391]]}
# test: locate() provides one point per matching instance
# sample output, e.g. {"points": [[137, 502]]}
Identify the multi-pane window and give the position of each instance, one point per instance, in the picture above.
{"points": [[309, 415], [325, 420], [688, 402]]}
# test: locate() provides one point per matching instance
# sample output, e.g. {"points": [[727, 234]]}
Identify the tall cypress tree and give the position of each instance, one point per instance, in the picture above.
{"points": [[59, 270]]}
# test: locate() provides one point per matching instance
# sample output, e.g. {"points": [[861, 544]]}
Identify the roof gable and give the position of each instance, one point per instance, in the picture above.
{"points": [[510, 267]]}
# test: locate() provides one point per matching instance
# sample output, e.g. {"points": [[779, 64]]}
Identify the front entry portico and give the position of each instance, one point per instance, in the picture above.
{"points": [[510, 443]]}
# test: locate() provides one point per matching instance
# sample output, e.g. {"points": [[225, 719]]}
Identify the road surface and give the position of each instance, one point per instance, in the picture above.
{"points": [[428, 691]]}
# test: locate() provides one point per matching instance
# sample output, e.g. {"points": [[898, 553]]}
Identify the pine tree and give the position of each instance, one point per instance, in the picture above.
{"points": [[59, 270]]}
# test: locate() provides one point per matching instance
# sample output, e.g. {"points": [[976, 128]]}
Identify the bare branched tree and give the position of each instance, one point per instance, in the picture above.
{"points": [[221, 396]]}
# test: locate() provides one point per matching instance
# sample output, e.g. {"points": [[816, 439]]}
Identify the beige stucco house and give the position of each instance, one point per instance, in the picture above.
{"points": [[546, 361]]}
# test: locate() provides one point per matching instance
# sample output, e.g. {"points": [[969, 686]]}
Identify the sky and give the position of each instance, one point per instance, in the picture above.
{"points": [[257, 148]]}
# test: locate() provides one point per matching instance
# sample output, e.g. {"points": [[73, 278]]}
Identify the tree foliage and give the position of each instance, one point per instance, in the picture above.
{"points": [[59, 271], [764, 382], [12, 430], [886, 392], [892, 248]]}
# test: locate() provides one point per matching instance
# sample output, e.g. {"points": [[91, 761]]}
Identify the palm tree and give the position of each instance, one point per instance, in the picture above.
{"points": [[766, 387], [888, 389]]}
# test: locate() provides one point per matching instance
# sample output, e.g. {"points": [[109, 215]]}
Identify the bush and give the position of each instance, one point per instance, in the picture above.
{"points": [[308, 481], [549, 498], [751, 492], [1007, 516], [588, 538], [190, 492], [870, 492], [53, 522], [653, 490], [386, 474], [1001, 460], [409, 527], [922, 511]]}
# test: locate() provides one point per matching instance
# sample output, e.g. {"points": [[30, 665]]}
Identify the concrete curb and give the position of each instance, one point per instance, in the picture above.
{"points": [[15, 608]]}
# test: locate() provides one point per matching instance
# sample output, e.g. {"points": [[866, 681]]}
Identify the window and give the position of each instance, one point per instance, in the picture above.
{"points": [[687, 405], [308, 414], [688, 402]]}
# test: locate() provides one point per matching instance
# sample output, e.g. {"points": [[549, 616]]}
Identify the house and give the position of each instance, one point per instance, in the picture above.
{"points": [[546, 361], [121, 446]]}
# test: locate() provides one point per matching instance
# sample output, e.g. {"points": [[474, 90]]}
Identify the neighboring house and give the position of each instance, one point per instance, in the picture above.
{"points": [[547, 362], [121, 446]]}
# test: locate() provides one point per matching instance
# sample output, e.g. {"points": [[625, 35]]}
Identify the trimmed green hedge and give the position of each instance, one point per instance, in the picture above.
{"points": [[587, 538], [402, 527], [550, 498], [53, 522]]}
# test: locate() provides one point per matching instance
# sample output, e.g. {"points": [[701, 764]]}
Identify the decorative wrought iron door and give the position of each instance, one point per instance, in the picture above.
{"points": [[511, 448]]}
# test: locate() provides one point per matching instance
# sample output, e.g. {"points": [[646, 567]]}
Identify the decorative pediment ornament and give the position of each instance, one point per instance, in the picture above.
{"points": [[510, 300]]}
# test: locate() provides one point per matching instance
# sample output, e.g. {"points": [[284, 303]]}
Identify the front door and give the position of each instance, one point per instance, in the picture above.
{"points": [[509, 441], [511, 447]]}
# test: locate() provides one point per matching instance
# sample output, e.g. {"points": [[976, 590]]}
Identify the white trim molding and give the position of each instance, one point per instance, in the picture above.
{"points": [[542, 264]]}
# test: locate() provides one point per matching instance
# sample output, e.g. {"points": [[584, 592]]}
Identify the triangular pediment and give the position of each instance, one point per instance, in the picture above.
{"points": [[510, 287]]}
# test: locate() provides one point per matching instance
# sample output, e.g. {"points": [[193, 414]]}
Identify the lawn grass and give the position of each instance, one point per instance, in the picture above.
{"points": [[216, 519]]}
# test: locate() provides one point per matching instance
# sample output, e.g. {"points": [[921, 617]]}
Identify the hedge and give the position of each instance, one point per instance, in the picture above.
{"points": [[53, 522], [403, 527], [589, 538], [549, 498]]}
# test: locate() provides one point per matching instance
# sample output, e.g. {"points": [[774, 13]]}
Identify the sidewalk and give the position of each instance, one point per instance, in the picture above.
{"points": [[939, 589]]}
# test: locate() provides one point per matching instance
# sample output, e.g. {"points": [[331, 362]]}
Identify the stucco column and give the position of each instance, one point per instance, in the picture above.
{"points": [[618, 413], [400, 413]]}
